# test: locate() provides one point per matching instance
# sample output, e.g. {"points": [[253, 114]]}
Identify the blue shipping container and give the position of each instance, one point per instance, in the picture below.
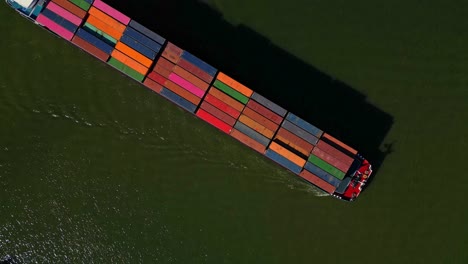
{"points": [[89, 1], [199, 63], [178, 100], [60, 20], [145, 31], [252, 133], [132, 33], [343, 185], [299, 132], [283, 161], [91, 39], [147, 52], [322, 174], [269, 104], [304, 125]]}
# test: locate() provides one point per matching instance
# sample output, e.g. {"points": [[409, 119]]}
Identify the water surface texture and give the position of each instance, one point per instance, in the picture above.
{"points": [[95, 168]]}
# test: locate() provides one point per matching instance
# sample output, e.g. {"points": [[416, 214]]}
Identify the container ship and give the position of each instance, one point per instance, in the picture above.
{"points": [[201, 89]]}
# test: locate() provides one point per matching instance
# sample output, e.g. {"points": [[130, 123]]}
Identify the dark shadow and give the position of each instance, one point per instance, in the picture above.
{"points": [[279, 76]]}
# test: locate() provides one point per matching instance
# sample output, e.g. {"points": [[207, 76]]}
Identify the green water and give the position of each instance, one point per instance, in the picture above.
{"points": [[95, 168]]}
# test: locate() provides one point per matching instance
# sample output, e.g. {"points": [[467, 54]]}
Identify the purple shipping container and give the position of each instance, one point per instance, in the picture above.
{"points": [[186, 85], [64, 13], [111, 12], [54, 27]]}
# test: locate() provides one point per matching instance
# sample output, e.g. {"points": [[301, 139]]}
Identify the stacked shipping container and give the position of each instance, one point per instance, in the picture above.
{"points": [[224, 103], [330, 160], [198, 88], [61, 19], [180, 77]]}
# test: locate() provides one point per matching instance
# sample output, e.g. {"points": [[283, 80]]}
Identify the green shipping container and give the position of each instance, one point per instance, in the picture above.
{"points": [[231, 92], [326, 167], [100, 33], [125, 69], [81, 4]]}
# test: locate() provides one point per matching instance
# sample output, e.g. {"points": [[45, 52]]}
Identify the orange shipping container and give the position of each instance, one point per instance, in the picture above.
{"points": [[234, 84], [104, 27], [129, 62], [182, 92], [292, 145], [339, 143], [256, 126], [162, 71], [260, 119], [287, 154], [191, 78], [107, 19], [153, 85], [317, 181], [165, 63], [247, 141], [226, 99], [294, 141], [134, 54]]}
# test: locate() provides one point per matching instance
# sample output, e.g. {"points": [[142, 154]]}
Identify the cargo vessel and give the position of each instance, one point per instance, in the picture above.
{"points": [[204, 91]]}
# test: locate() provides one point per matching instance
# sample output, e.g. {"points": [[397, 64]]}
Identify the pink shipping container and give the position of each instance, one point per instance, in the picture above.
{"points": [[54, 27], [64, 13], [111, 12], [186, 85]]}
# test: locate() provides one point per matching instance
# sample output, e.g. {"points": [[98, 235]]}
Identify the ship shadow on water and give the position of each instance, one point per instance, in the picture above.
{"points": [[269, 70]]}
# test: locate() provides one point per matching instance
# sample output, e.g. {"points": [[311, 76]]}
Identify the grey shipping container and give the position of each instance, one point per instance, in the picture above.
{"points": [[147, 32], [304, 125], [269, 104], [299, 132], [252, 133]]}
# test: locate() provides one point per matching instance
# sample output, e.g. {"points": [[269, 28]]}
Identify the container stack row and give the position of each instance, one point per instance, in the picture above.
{"points": [[224, 103], [180, 77], [63, 17], [329, 161], [293, 143], [258, 122], [136, 51]]}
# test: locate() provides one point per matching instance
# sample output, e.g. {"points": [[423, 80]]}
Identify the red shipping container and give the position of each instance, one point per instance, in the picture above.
{"points": [[260, 119], [182, 92], [90, 48], [265, 112], [165, 64], [71, 7], [248, 141], [317, 181], [339, 143], [174, 49], [214, 121], [191, 78], [347, 160], [331, 160], [171, 56], [294, 141], [218, 113], [226, 99], [157, 77], [195, 70], [153, 85], [162, 71], [222, 106]]}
